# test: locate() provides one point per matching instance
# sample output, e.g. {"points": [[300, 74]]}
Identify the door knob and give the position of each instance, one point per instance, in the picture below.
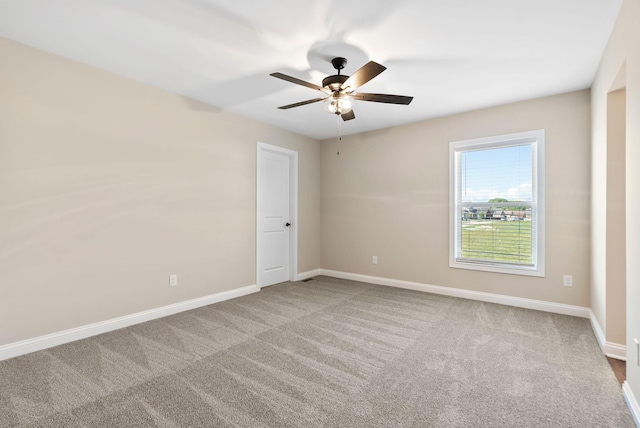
{"points": [[288, 224]]}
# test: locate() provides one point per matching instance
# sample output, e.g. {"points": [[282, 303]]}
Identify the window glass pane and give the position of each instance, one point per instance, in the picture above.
{"points": [[499, 173], [496, 233]]}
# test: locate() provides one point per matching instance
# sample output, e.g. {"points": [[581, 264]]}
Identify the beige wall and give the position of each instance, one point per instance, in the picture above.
{"points": [[387, 194], [615, 295], [622, 53], [108, 186]]}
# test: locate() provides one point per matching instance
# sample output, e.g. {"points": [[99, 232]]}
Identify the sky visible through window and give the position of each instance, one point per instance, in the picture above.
{"points": [[504, 172]]}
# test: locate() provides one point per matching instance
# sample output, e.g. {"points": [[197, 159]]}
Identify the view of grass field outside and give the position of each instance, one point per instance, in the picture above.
{"points": [[495, 205], [503, 240]]}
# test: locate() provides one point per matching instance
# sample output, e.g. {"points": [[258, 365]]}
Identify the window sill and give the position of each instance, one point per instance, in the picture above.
{"points": [[488, 267]]}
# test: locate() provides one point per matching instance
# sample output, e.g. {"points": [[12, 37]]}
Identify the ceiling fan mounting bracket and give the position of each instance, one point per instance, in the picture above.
{"points": [[339, 63]]}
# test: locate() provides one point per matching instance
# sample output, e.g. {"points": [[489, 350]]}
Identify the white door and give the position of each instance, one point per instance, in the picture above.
{"points": [[274, 215]]}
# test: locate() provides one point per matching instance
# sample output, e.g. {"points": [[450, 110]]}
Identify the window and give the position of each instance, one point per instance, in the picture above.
{"points": [[497, 204]]}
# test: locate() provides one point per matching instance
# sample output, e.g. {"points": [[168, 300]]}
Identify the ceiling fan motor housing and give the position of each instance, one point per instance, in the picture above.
{"points": [[334, 82]]}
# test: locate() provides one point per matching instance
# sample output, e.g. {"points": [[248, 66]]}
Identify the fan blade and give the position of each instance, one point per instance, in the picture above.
{"points": [[298, 81], [301, 103], [362, 76], [349, 115], [383, 98]]}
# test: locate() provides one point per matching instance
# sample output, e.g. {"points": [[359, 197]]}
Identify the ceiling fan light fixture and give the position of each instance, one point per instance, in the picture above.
{"points": [[339, 104]]}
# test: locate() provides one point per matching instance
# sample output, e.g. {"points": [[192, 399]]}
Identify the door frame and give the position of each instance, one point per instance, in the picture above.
{"points": [[293, 207]]}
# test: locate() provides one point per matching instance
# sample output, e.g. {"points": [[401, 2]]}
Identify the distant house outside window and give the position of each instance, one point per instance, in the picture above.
{"points": [[497, 204]]}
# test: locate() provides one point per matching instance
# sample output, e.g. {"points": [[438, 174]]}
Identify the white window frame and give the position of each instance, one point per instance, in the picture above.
{"points": [[537, 139]]}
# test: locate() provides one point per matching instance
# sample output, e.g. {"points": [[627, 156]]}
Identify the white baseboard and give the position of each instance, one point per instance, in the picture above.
{"points": [[540, 305], [615, 350], [631, 402], [47, 341], [308, 274], [610, 349]]}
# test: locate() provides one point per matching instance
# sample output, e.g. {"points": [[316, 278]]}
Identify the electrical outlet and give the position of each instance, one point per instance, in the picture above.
{"points": [[173, 280], [567, 280], [374, 260]]}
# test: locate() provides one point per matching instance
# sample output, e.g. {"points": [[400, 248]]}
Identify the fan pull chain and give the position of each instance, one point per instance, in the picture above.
{"points": [[339, 134]]}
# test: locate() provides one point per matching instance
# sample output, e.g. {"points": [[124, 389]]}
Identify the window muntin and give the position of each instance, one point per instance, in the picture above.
{"points": [[497, 204]]}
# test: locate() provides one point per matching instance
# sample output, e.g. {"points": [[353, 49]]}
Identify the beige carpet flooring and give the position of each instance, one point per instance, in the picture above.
{"points": [[324, 353]]}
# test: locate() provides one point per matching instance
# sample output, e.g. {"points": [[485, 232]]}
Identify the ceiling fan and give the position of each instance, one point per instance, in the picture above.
{"points": [[340, 89]]}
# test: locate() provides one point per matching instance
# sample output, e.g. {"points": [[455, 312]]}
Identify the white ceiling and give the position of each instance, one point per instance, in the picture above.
{"points": [[451, 55]]}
